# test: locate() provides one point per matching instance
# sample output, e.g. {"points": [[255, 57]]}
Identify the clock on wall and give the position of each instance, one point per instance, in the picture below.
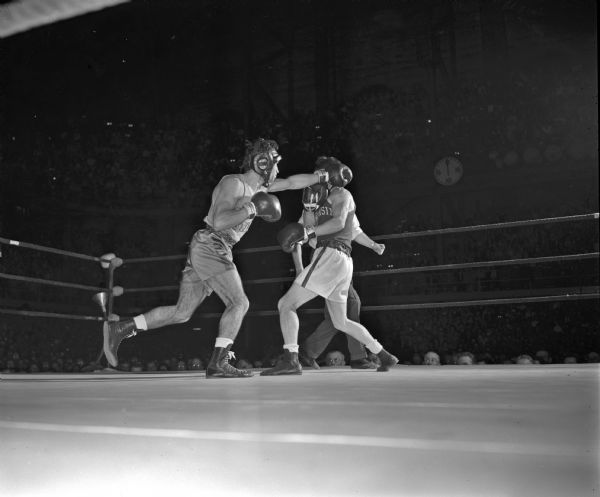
{"points": [[448, 170]]}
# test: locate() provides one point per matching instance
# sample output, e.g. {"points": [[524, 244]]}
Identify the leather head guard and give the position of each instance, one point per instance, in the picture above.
{"points": [[262, 157]]}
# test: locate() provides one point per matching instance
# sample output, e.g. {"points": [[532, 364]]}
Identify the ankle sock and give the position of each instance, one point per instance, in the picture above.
{"points": [[140, 322], [223, 342], [375, 347]]}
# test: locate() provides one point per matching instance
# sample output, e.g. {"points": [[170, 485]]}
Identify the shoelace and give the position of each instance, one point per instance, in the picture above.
{"points": [[132, 333], [230, 369], [226, 366]]}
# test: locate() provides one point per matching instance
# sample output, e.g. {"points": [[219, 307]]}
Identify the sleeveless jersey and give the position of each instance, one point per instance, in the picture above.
{"points": [[234, 234], [345, 235]]}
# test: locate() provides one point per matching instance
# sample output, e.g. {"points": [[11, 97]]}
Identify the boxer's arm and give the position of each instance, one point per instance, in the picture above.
{"points": [[360, 237], [363, 239], [356, 229], [309, 219], [294, 182], [226, 197], [297, 258]]}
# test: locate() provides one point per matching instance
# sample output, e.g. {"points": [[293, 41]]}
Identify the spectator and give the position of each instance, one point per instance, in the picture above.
{"points": [[524, 359], [543, 357], [431, 359], [335, 358], [465, 359]]}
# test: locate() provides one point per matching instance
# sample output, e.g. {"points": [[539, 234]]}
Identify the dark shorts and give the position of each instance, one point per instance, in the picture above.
{"points": [[208, 256]]}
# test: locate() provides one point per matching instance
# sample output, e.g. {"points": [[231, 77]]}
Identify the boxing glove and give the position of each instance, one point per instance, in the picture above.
{"points": [[264, 205], [292, 234], [323, 176], [339, 174], [314, 196]]}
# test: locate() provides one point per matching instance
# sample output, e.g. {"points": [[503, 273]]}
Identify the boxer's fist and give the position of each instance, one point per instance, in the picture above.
{"points": [[314, 196], [264, 205], [378, 248], [339, 174]]}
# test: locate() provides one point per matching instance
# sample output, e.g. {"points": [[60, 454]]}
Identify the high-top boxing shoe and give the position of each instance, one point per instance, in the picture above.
{"points": [[114, 333], [387, 360], [363, 363], [289, 364], [307, 361], [219, 367]]}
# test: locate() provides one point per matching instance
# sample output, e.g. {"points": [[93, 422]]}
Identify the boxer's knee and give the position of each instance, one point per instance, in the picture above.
{"points": [[184, 309], [286, 304], [239, 303], [182, 316], [243, 303]]}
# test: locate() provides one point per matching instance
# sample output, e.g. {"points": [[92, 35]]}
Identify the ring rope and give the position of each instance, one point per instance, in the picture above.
{"points": [[481, 227], [505, 262], [466, 265], [49, 282], [390, 307], [42, 248], [376, 272], [431, 305], [466, 303], [51, 315], [408, 234], [135, 260]]}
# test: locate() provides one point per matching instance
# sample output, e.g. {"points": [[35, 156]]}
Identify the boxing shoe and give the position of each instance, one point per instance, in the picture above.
{"points": [[114, 333], [289, 364], [387, 360], [363, 363], [219, 367], [308, 361]]}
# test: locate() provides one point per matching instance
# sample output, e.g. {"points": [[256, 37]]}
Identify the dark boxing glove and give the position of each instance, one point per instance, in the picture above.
{"points": [[264, 205], [339, 174], [314, 196], [292, 234]]}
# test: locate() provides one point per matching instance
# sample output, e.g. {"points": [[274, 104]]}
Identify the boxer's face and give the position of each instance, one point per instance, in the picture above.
{"points": [[275, 159]]}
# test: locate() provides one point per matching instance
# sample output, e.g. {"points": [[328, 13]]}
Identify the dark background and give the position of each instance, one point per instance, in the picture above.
{"points": [[116, 125]]}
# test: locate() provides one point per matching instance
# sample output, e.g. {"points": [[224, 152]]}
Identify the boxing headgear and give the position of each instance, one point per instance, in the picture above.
{"points": [[314, 196], [262, 157], [339, 173]]}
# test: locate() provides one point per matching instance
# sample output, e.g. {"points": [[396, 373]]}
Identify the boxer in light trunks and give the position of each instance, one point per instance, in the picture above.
{"points": [[236, 201], [329, 273], [313, 200]]}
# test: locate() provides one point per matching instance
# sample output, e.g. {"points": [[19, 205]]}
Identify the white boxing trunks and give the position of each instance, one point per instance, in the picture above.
{"points": [[329, 274]]}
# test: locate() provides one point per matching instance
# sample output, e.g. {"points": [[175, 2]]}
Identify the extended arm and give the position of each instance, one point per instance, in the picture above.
{"points": [[296, 182]]}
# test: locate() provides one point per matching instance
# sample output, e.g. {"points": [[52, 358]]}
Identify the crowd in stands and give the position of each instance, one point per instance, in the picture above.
{"points": [[498, 334], [535, 121]]}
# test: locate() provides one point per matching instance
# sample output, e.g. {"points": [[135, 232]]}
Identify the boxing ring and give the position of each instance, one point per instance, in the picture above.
{"points": [[494, 430]]}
